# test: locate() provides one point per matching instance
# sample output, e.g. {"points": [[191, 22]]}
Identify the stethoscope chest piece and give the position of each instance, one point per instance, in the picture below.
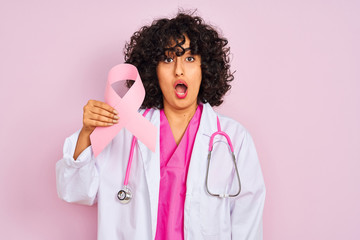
{"points": [[124, 195]]}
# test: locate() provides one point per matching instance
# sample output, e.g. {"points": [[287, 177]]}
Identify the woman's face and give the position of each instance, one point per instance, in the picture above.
{"points": [[180, 78]]}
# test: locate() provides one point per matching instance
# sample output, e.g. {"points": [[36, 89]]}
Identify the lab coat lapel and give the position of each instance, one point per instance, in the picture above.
{"points": [[151, 160], [208, 125], [151, 163]]}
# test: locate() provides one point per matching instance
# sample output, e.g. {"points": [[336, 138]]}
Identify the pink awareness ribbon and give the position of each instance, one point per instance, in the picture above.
{"points": [[127, 108]]}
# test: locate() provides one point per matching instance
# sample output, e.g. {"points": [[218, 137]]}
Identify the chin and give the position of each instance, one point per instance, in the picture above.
{"points": [[183, 104]]}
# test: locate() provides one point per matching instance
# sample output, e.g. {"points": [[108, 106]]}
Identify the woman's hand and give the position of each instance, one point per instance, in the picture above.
{"points": [[96, 114]]}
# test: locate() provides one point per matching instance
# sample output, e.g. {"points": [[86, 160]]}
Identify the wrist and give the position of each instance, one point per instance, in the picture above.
{"points": [[86, 131]]}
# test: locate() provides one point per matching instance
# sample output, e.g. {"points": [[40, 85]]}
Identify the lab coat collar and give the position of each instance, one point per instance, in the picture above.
{"points": [[208, 122], [208, 125]]}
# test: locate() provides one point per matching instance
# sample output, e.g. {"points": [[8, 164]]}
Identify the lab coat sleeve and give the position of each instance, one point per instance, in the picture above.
{"points": [[247, 208], [77, 181]]}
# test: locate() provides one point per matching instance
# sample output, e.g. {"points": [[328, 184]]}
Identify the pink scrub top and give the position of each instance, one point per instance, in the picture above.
{"points": [[174, 164]]}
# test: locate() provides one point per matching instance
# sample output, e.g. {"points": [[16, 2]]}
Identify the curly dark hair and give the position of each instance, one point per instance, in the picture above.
{"points": [[148, 45]]}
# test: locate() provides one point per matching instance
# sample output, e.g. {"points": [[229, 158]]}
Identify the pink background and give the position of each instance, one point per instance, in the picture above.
{"points": [[296, 91]]}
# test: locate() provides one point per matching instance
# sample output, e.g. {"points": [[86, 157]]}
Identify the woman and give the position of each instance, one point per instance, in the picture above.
{"points": [[184, 66]]}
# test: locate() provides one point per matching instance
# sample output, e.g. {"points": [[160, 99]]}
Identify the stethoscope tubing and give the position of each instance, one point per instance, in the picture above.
{"points": [[127, 174], [125, 195], [224, 195], [219, 132]]}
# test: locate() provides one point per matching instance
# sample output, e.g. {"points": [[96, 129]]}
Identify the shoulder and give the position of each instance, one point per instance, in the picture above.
{"points": [[233, 128], [149, 111], [151, 114], [238, 133], [230, 122], [227, 123]]}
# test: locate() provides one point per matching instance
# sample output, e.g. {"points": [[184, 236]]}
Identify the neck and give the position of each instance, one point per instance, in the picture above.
{"points": [[179, 119], [175, 116]]}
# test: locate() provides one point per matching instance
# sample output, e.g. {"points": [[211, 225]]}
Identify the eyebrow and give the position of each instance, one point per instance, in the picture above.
{"points": [[176, 51]]}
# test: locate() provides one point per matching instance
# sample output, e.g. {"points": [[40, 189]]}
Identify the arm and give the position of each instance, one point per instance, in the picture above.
{"points": [[247, 208], [82, 143], [77, 177]]}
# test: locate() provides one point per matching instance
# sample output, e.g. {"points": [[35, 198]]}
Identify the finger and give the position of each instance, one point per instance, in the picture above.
{"points": [[103, 119], [95, 123], [104, 106], [100, 118], [103, 112]]}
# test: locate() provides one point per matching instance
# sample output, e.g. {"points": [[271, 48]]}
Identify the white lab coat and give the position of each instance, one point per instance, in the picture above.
{"points": [[88, 180]]}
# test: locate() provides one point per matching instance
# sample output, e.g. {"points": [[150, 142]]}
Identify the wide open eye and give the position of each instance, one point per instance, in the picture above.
{"points": [[190, 59], [168, 60]]}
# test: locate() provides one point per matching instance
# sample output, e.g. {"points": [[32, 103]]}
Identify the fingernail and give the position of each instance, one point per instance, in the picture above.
{"points": [[116, 117], [115, 112], [115, 121], [110, 124]]}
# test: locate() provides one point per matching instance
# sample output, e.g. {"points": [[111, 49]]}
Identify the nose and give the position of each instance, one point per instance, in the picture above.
{"points": [[179, 69]]}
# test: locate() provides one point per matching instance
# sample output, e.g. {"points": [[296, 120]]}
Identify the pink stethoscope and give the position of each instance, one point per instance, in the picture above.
{"points": [[125, 195]]}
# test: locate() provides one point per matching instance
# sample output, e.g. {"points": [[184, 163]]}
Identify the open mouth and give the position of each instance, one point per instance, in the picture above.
{"points": [[180, 89]]}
